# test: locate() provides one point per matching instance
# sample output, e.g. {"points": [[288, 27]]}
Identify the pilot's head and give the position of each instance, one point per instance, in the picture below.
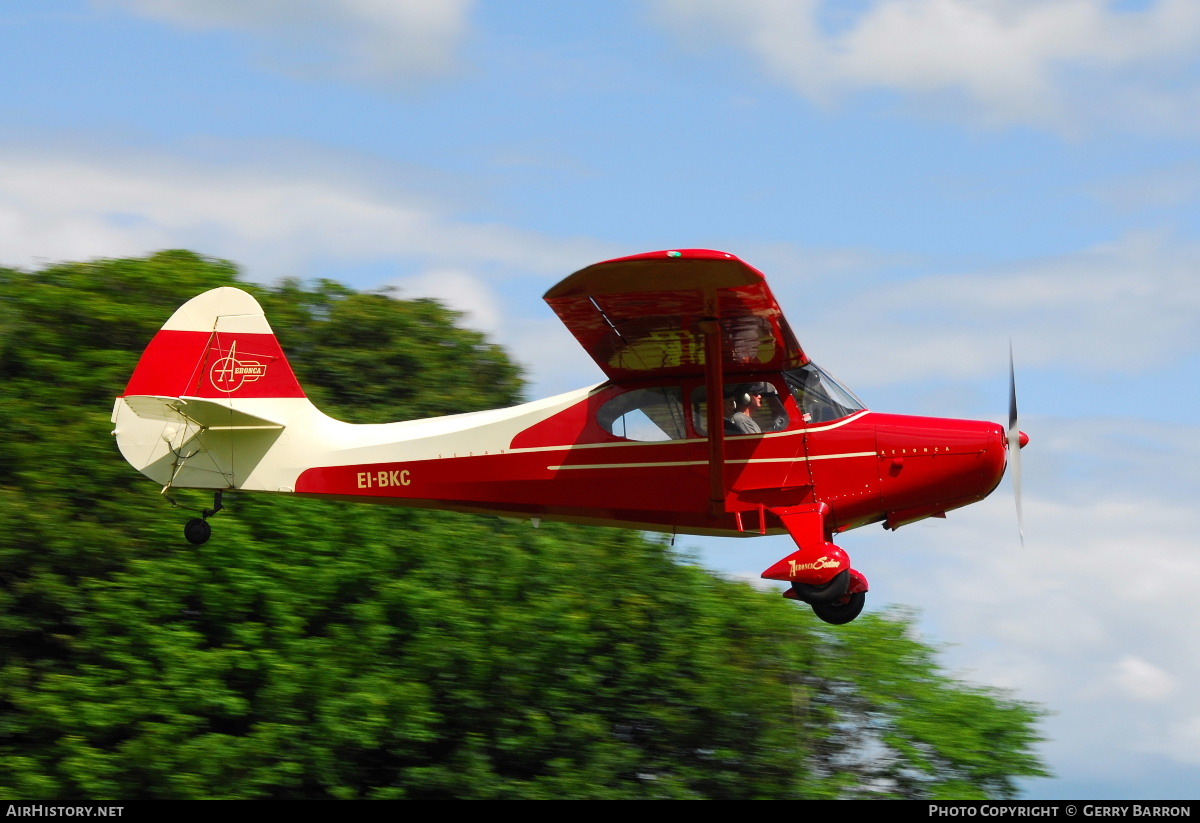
{"points": [[745, 395]]}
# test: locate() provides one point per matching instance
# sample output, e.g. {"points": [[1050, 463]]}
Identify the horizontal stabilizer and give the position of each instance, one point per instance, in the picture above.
{"points": [[213, 415]]}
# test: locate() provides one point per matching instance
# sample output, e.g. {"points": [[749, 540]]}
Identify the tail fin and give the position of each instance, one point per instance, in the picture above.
{"points": [[210, 397], [217, 345]]}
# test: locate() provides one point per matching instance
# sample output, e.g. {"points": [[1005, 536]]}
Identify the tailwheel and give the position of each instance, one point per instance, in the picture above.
{"points": [[197, 531]]}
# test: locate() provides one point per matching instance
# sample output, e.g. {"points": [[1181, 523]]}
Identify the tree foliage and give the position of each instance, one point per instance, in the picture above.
{"points": [[318, 650]]}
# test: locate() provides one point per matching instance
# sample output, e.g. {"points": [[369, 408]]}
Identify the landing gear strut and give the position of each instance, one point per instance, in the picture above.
{"points": [[197, 530], [835, 599]]}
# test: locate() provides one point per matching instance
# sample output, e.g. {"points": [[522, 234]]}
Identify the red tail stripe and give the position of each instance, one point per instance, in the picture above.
{"points": [[216, 365]]}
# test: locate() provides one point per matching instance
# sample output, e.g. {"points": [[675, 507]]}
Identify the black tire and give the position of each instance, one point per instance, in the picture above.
{"points": [[840, 613], [197, 531], [835, 589]]}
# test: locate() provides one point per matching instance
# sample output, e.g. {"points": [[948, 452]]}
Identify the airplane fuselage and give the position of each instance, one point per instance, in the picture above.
{"points": [[868, 467], [214, 404]]}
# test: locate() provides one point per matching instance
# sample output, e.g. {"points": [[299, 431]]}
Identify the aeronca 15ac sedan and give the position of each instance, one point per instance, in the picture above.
{"points": [[712, 421]]}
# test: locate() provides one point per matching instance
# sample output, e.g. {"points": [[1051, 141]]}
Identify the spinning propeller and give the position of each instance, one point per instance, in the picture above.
{"points": [[1016, 440]]}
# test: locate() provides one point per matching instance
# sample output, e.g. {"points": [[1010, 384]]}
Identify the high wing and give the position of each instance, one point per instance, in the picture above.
{"points": [[645, 315]]}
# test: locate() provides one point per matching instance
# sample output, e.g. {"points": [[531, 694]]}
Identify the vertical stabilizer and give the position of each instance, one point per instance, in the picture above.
{"points": [[217, 345], [210, 397]]}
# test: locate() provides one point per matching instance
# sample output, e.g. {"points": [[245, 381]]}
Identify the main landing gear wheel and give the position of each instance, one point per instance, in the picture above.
{"points": [[834, 590], [843, 611]]}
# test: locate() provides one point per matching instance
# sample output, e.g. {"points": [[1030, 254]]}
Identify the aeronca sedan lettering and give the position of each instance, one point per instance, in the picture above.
{"points": [[819, 563], [711, 420]]}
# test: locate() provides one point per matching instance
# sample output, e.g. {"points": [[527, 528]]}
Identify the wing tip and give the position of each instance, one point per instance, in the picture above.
{"points": [[664, 270]]}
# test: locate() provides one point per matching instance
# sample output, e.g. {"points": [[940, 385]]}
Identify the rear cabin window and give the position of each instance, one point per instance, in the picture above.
{"points": [[647, 415]]}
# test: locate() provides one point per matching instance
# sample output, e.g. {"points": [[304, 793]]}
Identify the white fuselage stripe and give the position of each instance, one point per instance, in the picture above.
{"points": [[705, 462], [790, 433]]}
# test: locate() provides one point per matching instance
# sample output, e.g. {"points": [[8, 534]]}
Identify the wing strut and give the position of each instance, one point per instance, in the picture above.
{"points": [[714, 379]]}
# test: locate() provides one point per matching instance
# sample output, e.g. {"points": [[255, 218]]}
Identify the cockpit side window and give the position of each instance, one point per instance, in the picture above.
{"points": [[747, 408], [648, 415], [820, 397]]}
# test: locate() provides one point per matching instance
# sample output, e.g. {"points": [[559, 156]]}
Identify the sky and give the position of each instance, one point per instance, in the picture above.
{"points": [[922, 181]]}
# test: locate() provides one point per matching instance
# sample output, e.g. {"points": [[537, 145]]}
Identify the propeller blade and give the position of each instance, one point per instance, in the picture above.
{"points": [[1014, 440]]}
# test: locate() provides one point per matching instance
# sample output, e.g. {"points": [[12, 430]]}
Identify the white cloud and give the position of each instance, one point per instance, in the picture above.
{"points": [[1129, 301], [287, 222], [459, 290], [553, 361], [556, 361], [1170, 187], [355, 39], [1095, 617], [1144, 681], [1049, 62], [275, 222], [1180, 743]]}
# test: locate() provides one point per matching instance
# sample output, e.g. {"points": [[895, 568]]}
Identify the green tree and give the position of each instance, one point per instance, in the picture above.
{"points": [[903, 728], [317, 650]]}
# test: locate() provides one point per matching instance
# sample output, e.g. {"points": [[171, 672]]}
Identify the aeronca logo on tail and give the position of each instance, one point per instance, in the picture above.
{"points": [[229, 373]]}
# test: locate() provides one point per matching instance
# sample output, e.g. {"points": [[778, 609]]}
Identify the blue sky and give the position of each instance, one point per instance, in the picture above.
{"points": [[921, 180]]}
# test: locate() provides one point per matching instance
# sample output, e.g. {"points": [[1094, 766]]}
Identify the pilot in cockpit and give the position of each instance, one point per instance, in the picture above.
{"points": [[741, 402]]}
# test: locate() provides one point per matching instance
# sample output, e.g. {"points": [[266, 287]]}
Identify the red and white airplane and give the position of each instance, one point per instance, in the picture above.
{"points": [[214, 404]]}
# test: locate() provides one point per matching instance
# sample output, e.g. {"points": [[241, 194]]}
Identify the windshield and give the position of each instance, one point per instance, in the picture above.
{"points": [[819, 396]]}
